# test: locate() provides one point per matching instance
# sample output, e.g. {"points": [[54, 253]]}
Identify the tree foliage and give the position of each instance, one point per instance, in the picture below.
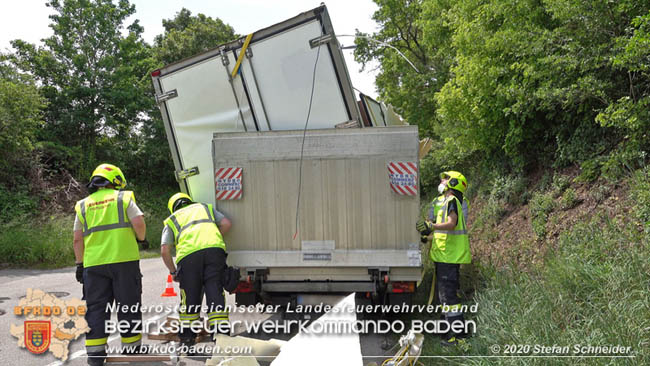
{"points": [[516, 83], [88, 97], [402, 27], [94, 73], [187, 35], [21, 108]]}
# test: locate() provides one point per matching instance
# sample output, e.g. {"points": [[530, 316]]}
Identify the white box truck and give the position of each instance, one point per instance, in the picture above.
{"points": [[315, 209]]}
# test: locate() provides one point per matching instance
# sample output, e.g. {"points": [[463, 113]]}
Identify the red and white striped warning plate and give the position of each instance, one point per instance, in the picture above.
{"points": [[228, 183], [403, 177]]}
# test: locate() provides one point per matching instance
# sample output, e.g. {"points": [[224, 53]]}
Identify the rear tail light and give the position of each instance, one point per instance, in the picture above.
{"points": [[245, 286], [401, 287]]}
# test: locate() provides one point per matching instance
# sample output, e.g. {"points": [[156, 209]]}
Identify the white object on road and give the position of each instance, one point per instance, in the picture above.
{"points": [[258, 348], [325, 349]]}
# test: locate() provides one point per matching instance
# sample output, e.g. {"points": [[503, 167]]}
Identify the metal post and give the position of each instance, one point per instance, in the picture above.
{"points": [[249, 54], [226, 62]]}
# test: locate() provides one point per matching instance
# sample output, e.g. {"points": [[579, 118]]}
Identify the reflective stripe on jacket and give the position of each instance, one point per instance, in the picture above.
{"points": [[194, 228], [107, 232], [451, 246], [437, 203]]}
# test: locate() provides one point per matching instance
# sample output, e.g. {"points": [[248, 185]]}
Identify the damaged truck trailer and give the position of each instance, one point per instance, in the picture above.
{"points": [[268, 129]]}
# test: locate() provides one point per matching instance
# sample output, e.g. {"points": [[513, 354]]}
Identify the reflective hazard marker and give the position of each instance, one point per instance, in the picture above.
{"points": [[403, 178], [228, 183]]}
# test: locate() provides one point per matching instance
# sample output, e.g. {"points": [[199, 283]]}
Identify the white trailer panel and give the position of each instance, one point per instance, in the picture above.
{"points": [[271, 91], [348, 217]]}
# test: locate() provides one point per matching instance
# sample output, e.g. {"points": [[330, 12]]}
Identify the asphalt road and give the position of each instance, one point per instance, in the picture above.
{"points": [[61, 283]]}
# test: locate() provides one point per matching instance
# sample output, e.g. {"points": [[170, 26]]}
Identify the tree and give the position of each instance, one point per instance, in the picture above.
{"points": [[516, 82], [631, 111], [20, 116], [186, 35], [402, 26], [94, 77]]}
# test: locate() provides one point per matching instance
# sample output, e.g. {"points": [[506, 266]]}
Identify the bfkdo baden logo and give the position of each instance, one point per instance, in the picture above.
{"points": [[37, 335], [47, 323]]}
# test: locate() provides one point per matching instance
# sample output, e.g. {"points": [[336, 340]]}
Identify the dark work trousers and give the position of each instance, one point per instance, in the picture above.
{"points": [[103, 285], [447, 287], [198, 273]]}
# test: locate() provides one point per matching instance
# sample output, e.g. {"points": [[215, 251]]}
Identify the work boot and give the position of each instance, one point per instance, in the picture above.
{"points": [[96, 358], [455, 342], [455, 339], [451, 333]]}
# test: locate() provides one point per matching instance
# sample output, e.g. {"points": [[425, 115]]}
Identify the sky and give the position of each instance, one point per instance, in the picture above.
{"points": [[28, 20]]}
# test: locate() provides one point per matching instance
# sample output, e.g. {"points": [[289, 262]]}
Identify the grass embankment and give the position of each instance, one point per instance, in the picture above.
{"points": [[33, 241], [591, 286]]}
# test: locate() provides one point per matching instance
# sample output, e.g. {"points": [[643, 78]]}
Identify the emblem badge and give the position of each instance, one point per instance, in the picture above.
{"points": [[37, 335]]}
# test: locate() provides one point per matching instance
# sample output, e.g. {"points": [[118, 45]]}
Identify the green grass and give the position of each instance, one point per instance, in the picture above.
{"points": [[46, 242], [40, 243], [592, 289]]}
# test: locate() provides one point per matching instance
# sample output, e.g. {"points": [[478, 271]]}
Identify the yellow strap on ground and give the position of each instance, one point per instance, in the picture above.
{"points": [[433, 286], [241, 55]]}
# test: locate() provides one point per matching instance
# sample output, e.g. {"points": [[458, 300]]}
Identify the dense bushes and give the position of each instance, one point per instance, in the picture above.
{"points": [[520, 84]]}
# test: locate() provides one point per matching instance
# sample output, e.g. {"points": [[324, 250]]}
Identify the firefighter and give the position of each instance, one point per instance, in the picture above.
{"points": [[197, 230], [450, 247], [108, 228]]}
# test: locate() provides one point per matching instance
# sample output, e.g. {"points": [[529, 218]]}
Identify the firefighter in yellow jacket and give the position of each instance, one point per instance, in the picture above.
{"points": [[450, 246], [197, 231], [107, 230]]}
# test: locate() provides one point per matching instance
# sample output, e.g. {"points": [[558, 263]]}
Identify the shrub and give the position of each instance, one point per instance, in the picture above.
{"points": [[511, 189], [600, 193], [429, 178], [541, 205], [490, 214], [544, 182], [539, 226], [503, 190], [560, 183], [589, 171], [623, 162], [640, 195], [569, 199], [16, 204]]}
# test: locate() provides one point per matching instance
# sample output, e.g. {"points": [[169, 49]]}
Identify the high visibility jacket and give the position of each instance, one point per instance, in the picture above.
{"points": [[437, 203], [451, 246], [107, 233], [194, 228]]}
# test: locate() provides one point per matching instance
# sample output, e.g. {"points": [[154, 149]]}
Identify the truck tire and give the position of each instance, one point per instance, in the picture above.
{"points": [[246, 298]]}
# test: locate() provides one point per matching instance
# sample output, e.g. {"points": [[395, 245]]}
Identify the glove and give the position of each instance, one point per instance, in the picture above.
{"points": [[424, 239], [175, 276], [424, 227], [144, 244], [80, 273]]}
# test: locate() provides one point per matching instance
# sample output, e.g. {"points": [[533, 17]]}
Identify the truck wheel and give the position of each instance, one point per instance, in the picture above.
{"points": [[246, 298], [399, 299]]}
